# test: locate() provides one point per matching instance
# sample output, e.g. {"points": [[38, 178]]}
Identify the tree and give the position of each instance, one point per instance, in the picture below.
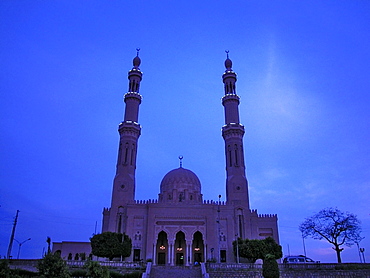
{"points": [[335, 226], [95, 270], [48, 240], [110, 245], [254, 249], [270, 267], [53, 266]]}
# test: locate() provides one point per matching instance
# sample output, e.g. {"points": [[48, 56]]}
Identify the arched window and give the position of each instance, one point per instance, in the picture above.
{"points": [[240, 220], [120, 220]]}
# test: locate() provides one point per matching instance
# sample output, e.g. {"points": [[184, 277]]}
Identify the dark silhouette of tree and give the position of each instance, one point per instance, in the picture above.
{"points": [[53, 266], [254, 249], [111, 245], [335, 226], [95, 270], [270, 267], [48, 240]]}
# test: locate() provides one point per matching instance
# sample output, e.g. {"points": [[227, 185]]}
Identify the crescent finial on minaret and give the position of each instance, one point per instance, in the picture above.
{"points": [[228, 62], [137, 60]]}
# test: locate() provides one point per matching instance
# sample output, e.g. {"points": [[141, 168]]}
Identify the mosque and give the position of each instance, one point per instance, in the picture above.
{"points": [[180, 228]]}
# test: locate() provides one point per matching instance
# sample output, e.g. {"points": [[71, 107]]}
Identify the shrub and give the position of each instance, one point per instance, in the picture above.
{"points": [[270, 268], [132, 275], [79, 273], [24, 273], [4, 269], [114, 274], [53, 266], [95, 270]]}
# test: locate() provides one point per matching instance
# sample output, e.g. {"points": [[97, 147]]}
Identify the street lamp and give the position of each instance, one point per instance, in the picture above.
{"points": [[20, 245]]}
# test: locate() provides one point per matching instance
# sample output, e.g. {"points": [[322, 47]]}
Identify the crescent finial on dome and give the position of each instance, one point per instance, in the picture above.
{"points": [[181, 158]]}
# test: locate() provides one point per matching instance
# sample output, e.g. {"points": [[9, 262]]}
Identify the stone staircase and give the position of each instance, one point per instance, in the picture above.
{"points": [[176, 272]]}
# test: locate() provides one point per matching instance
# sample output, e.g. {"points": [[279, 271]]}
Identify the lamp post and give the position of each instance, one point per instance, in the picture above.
{"points": [[20, 245]]}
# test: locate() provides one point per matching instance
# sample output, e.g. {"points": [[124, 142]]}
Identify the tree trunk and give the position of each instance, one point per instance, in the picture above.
{"points": [[338, 250]]}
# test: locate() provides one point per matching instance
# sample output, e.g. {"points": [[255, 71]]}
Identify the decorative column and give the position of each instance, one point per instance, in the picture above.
{"points": [[191, 253], [172, 254], [154, 254], [205, 252]]}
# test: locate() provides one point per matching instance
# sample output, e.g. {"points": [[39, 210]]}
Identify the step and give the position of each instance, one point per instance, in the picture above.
{"points": [[176, 272]]}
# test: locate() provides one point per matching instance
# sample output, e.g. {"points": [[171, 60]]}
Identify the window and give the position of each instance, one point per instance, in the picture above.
{"points": [[223, 256]]}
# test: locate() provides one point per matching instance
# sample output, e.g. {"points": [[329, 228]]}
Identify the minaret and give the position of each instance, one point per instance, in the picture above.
{"points": [[129, 131], [232, 132]]}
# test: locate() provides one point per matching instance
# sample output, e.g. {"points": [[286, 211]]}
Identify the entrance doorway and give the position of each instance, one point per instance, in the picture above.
{"points": [[136, 255], [180, 248], [162, 248], [161, 258], [179, 258], [198, 247], [198, 258], [223, 256]]}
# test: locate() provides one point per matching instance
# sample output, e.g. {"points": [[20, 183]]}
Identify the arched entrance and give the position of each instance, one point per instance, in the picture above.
{"points": [[180, 248], [162, 248], [198, 248]]}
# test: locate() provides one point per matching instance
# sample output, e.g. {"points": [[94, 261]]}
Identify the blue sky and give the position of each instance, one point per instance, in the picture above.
{"points": [[303, 78]]}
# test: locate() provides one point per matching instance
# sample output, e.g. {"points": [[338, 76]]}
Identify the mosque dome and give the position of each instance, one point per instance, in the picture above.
{"points": [[180, 179]]}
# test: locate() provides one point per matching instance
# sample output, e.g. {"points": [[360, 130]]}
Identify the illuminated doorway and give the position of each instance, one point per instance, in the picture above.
{"points": [[162, 248], [180, 247], [198, 248]]}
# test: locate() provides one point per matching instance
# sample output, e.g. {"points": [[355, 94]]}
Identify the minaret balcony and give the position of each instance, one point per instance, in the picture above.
{"points": [[133, 95], [129, 128], [233, 130], [230, 97], [135, 72]]}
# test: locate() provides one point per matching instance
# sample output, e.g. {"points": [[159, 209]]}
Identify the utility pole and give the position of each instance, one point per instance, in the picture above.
{"points": [[12, 237]]}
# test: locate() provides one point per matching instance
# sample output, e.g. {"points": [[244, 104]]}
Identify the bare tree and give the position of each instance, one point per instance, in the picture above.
{"points": [[335, 226]]}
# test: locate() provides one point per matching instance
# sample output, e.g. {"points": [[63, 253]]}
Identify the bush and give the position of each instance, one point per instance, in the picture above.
{"points": [[53, 266], [114, 274], [95, 270], [4, 269], [79, 273], [24, 273], [270, 268], [132, 275]]}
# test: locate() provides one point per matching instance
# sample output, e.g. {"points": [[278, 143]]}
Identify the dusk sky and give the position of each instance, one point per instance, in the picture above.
{"points": [[303, 77]]}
